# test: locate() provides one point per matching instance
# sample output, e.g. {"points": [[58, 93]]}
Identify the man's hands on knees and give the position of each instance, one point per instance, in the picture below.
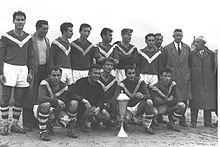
{"points": [[86, 102], [139, 95]]}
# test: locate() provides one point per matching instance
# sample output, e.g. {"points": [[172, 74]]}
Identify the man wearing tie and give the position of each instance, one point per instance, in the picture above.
{"points": [[175, 56]]}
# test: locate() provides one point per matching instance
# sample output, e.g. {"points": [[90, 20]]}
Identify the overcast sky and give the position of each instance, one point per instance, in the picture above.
{"points": [[194, 17]]}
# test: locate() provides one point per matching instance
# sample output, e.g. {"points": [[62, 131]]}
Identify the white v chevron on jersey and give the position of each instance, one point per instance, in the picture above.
{"points": [[123, 51], [19, 43], [66, 51], [105, 88], [81, 49], [135, 90], [106, 54], [44, 82], [148, 58]]}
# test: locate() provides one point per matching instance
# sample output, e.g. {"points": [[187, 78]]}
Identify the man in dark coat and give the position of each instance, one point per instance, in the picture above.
{"points": [[203, 84], [175, 56]]}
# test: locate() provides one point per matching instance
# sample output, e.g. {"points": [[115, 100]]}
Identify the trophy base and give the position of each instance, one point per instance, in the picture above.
{"points": [[122, 133]]}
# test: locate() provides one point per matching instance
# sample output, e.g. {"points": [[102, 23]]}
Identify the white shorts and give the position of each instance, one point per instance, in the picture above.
{"points": [[120, 74], [149, 79], [133, 109], [78, 74], [67, 76], [15, 75], [35, 110]]}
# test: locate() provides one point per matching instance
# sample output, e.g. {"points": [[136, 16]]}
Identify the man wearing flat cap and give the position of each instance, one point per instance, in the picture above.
{"points": [[203, 85]]}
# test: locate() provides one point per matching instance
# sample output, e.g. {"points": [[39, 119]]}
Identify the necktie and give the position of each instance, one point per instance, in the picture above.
{"points": [[179, 51]]}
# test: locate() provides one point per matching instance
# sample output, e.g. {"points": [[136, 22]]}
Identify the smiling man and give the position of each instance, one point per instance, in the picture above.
{"points": [[16, 68]]}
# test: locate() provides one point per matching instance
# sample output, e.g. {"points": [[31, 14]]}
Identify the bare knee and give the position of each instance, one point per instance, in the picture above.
{"points": [[155, 111], [73, 106], [149, 102], [181, 105], [106, 115], [44, 107]]}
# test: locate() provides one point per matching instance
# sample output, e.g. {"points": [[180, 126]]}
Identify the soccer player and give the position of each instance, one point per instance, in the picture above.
{"points": [[50, 108], [109, 84], [140, 106], [91, 99], [150, 61], [166, 98], [16, 69], [126, 53], [105, 48], [83, 53], [60, 52]]}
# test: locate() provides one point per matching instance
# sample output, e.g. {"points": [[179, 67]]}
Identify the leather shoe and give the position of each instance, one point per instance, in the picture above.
{"points": [[71, 133], [149, 130], [44, 136]]}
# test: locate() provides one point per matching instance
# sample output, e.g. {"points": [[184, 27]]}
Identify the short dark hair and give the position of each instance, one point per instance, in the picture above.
{"points": [[64, 26], [94, 66], [110, 59], [126, 30], [158, 34], [105, 31], [167, 70], [177, 30], [55, 68], [149, 35], [84, 25], [129, 67], [40, 23], [18, 13]]}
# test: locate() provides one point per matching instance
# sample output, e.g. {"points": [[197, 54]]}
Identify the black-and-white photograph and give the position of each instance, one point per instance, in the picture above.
{"points": [[109, 73]]}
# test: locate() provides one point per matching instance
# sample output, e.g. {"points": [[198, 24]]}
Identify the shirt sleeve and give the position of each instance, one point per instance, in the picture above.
{"points": [[42, 97], [31, 55], [2, 53]]}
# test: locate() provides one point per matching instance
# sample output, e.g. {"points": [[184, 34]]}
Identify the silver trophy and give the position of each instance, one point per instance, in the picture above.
{"points": [[122, 104]]}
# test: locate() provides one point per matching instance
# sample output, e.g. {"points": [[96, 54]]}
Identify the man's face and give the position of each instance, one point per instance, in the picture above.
{"points": [[199, 44], [55, 76], [108, 37], [158, 40], [69, 32], [178, 36], [85, 32], [19, 21], [95, 74], [127, 37], [108, 66], [166, 77], [150, 41], [42, 32], [130, 74]]}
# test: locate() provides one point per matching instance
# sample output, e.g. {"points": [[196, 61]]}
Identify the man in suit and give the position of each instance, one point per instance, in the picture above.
{"points": [[175, 56]]}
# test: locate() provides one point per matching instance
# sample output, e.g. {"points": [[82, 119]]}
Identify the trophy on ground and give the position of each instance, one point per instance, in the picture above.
{"points": [[122, 105]]}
